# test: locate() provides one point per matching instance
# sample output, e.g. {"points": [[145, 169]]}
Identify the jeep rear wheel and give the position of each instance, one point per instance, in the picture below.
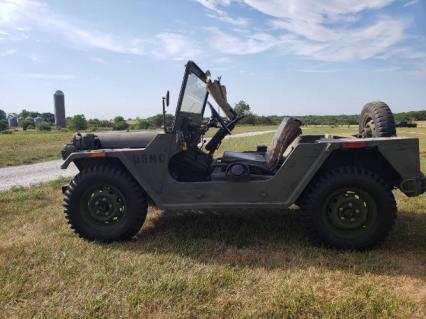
{"points": [[348, 208], [376, 120], [105, 203]]}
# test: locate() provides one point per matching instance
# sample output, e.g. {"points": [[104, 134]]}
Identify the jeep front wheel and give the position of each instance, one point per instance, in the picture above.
{"points": [[104, 203], [348, 208]]}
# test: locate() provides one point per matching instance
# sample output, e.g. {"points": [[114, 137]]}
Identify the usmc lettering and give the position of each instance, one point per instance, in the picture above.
{"points": [[149, 158]]}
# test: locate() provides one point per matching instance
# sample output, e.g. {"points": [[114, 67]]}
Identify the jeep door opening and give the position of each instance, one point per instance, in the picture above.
{"points": [[342, 184]]}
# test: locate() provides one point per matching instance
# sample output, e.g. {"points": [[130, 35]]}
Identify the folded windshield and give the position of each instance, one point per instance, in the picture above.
{"points": [[194, 95]]}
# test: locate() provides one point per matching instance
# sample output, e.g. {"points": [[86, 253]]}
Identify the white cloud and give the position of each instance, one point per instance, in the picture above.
{"points": [[215, 12], [354, 44], [318, 29], [8, 52], [174, 45], [410, 3], [43, 76], [255, 43], [38, 16], [8, 10], [98, 60]]}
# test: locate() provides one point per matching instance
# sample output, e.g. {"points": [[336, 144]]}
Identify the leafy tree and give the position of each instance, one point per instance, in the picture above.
{"points": [[24, 113], [2, 115], [143, 125], [105, 123], [119, 119], [156, 120], [3, 125], [242, 108], [93, 122], [249, 119], [120, 126], [34, 114], [77, 122], [27, 125], [99, 123], [48, 117]]}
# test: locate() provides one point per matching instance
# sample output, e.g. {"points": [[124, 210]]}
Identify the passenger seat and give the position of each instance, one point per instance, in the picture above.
{"points": [[286, 133]]}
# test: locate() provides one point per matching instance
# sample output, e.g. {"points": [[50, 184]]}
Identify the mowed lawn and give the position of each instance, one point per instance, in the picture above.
{"points": [[241, 264], [27, 147]]}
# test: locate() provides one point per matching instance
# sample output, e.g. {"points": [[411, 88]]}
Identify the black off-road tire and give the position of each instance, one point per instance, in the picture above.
{"points": [[93, 181], [376, 120], [320, 210]]}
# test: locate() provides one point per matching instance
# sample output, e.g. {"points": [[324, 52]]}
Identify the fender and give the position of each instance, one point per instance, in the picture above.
{"points": [[147, 165]]}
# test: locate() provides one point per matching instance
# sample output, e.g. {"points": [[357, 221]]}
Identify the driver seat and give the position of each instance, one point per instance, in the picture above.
{"points": [[286, 133]]}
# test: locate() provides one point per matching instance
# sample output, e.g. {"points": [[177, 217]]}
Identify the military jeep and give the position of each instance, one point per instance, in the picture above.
{"points": [[343, 185]]}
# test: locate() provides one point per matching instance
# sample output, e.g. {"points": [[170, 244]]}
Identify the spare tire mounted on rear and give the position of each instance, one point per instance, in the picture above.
{"points": [[376, 120]]}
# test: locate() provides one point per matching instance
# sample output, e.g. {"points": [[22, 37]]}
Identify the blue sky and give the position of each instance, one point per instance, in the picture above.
{"points": [[282, 57]]}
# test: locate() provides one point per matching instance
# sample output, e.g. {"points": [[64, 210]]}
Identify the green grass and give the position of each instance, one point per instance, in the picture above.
{"points": [[33, 146], [27, 147], [240, 264]]}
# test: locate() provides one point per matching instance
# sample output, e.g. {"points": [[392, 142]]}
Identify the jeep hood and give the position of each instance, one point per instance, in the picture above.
{"points": [[108, 140], [125, 139]]}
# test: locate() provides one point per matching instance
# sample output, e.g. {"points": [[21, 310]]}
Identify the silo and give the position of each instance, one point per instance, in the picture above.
{"points": [[59, 101], [20, 120], [13, 122], [38, 120]]}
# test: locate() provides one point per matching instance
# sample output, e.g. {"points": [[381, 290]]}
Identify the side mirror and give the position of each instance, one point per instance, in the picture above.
{"points": [[167, 98], [166, 102]]}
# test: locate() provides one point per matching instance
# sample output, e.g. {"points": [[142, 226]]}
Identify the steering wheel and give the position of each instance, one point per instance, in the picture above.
{"points": [[219, 118]]}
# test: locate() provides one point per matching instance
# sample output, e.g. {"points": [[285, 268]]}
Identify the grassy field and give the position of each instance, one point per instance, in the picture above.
{"points": [[33, 146], [241, 264]]}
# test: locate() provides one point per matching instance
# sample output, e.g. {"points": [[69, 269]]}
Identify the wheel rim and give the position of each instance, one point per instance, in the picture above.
{"points": [[369, 128], [349, 212], [104, 205]]}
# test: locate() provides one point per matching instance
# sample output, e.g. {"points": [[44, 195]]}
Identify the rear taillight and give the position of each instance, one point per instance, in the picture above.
{"points": [[354, 145]]}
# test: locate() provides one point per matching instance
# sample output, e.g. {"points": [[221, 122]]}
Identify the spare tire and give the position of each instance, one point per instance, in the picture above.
{"points": [[376, 120]]}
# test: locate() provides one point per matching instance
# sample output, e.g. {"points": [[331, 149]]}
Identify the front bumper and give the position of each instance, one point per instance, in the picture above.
{"points": [[413, 186]]}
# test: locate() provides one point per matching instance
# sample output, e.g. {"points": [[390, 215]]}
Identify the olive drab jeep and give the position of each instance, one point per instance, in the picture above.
{"points": [[343, 185]]}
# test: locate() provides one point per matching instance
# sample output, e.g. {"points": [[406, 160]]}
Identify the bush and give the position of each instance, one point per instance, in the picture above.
{"points": [[120, 126], [43, 126], [77, 123], [119, 119], [144, 124], [3, 125], [27, 125]]}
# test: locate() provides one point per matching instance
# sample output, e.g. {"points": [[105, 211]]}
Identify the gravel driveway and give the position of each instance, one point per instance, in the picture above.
{"points": [[26, 175]]}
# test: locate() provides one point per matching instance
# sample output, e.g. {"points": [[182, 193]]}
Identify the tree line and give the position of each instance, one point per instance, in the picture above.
{"points": [[79, 122]]}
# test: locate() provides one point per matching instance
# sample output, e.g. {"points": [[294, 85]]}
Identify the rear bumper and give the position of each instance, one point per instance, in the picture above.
{"points": [[413, 186]]}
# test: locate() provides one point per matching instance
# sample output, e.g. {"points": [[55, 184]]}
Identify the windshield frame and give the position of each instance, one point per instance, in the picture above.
{"points": [[192, 68]]}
